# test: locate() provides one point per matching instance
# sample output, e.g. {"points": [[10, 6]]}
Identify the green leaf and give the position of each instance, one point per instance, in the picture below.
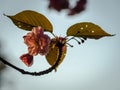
{"points": [[87, 30], [28, 19], [53, 54]]}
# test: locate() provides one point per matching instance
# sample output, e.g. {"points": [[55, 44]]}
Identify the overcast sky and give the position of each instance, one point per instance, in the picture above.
{"points": [[94, 65]]}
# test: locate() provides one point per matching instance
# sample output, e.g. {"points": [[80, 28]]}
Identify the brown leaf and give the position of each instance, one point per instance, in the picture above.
{"points": [[28, 19], [53, 54], [87, 30]]}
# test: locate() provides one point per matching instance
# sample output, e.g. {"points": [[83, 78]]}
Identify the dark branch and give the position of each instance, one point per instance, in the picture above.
{"points": [[35, 73]]}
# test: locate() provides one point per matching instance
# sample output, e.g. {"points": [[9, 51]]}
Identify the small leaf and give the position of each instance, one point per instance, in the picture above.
{"points": [[53, 54], [87, 30], [28, 19]]}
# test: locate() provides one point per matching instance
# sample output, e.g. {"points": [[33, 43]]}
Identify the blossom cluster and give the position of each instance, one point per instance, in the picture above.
{"points": [[37, 42]]}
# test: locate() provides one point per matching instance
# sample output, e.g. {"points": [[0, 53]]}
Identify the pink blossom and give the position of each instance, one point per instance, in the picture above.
{"points": [[37, 42], [27, 59]]}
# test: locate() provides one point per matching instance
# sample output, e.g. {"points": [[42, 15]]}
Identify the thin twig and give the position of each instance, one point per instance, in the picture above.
{"points": [[35, 73]]}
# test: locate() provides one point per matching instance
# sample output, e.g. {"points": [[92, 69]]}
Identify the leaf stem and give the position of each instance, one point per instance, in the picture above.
{"points": [[53, 35]]}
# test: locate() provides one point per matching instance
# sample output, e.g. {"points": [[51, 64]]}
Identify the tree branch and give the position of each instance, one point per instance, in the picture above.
{"points": [[35, 73]]}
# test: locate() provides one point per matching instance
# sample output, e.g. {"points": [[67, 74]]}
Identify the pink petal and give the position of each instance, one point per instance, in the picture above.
{"points": [[33, 50], [27, 59], [38, 31], [44, 42], [30, 39]]}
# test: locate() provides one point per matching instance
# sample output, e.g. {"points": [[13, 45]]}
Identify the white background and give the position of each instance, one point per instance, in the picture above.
{"points": [[94, 65]]}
